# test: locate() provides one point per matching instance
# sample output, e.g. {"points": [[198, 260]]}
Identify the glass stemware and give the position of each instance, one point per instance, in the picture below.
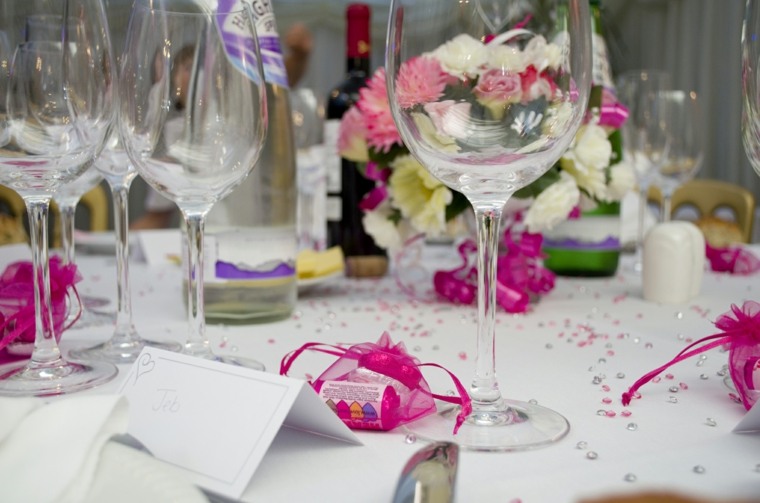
{"points": [[53, 118], [67, 198], [678, 113], [644, 141], [193, 120], [487, 113]]}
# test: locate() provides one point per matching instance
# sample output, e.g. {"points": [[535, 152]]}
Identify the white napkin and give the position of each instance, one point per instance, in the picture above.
{"points": [[53, 452]]}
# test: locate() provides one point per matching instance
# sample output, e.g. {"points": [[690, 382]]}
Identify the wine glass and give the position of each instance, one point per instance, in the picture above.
{"points": [[194, 141], [677, 112], [645, 143], [54, 118], [67, 198], [113, 164], [487, 112]]}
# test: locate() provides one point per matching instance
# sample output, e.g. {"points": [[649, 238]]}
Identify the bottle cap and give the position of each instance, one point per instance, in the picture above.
{"points": [[357, 30]]}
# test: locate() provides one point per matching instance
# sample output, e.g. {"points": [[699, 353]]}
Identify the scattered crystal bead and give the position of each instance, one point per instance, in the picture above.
{"points": [[583, 445], [596, 380], [649, 345], [592, 455], [722, 372], [699, 469], [700, 363], [549, 345], [711, 422], [620, 375], [679, 315], [673, 389], [680, 337], [703, 357], [632, 427], [602, 360], [533, 401], [629, 477], [636, 340], [417, 349], [703, 376], [673, 399], [601, 412], [410, 438], [436, 347]]}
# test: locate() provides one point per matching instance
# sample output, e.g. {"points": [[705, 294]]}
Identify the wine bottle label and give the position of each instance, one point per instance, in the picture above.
{"points": [[598, 232], [332, 157], [261, 255], [231, 27], [601, 73]]}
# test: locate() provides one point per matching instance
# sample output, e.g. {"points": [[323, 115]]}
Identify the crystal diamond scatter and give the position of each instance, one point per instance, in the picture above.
{"points": [[699, 469], [583, 445], [629, 477], [592, 455], [410, 438], [632, 427], [711, 422]]}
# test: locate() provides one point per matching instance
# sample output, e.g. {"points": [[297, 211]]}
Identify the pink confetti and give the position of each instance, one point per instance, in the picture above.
{"points": [[605, 387], [683, 386], [607, 400], [626, 413], [610, 413], [669, 376], [462, 355]]}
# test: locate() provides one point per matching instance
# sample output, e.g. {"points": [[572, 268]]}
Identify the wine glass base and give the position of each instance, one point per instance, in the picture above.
{"points": [[521, 427], [26, 379], [120, 352]]}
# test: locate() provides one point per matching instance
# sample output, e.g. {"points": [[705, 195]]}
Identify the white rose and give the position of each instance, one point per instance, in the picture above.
{"points": [[433, 136], [462, 55], [542, 55], [450, 117], [506, 58], [622, 181], [588, 158], [553, 205], [383, 231]]}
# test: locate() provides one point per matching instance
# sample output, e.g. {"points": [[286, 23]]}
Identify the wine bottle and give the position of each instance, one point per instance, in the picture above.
{"points": [[250, 246], [346, 186]]}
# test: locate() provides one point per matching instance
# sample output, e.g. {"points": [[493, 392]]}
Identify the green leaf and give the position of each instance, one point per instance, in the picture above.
{"points": [[541, 184], [458, 204]]}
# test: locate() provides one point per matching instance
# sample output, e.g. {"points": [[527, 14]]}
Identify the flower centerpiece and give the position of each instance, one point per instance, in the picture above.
{"points": [[505, 83]]}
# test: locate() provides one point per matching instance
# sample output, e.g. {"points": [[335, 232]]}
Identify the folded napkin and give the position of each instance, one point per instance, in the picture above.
{"points": [[53, 452]]}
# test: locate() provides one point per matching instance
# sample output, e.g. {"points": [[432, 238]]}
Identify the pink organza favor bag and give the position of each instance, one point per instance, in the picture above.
{"points": [[377, 386], [17, 321], [740, 334]]}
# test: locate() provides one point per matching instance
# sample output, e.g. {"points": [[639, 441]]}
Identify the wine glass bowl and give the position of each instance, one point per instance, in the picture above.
{"points": [[488, 101], [55, 114], [193, 120]]}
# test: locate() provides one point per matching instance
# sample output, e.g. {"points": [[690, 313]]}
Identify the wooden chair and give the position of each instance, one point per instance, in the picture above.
{"points": [[95, 203], [708, 196]]}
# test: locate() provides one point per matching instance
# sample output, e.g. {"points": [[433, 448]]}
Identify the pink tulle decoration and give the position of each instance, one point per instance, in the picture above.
{"points": [[520, 274], [733, 260], [17, 320], [387, 364], [740, 332]]}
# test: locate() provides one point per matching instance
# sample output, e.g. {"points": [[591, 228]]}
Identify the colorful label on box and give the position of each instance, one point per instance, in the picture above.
{"points": [[365, 406]]}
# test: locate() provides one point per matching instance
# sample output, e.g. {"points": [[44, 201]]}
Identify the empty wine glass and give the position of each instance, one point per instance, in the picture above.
{"points": [[677, 112], [67, 198], [113, 164], [488, 100], [194, 141], [54, 119], [644, 140]]}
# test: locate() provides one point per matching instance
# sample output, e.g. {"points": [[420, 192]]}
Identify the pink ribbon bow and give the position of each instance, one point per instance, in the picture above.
{"points": [[733, 260], [519, 274], [17, 317], [740, 330]]}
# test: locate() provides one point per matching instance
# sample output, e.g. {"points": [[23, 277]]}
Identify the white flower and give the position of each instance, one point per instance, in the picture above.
{"points": [[622, 181], [588, 158], [553, 205], [542, 55], [450, 117], [386, 234], [418, 195], [557, 118], [506, 58], [462, 55]]}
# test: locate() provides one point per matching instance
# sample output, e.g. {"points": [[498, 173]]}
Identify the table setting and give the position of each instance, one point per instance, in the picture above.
{"points": [[483, 365]]}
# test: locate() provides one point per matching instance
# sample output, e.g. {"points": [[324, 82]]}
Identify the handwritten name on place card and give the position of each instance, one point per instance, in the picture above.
{"points": [[216, 421]]}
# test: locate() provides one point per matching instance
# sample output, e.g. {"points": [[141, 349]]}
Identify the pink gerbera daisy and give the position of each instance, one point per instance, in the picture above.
{"points": [[420, 80], [373, 103]]}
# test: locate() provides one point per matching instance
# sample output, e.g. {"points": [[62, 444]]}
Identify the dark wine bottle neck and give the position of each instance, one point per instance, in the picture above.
{"points": [[357, 65]]}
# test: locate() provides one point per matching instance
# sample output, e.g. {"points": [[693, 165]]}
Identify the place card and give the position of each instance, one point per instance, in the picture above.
{"points": [[750, 423], [216, 421]]}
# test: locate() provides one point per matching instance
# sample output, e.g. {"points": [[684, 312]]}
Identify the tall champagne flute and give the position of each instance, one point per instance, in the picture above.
{"points": [[196, 152], [54, 118], [750, 44], [645, 142], [487, 101], [678, 113]]}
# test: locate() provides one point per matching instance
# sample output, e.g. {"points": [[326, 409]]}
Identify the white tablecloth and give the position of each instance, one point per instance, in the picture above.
{"points": [[576, 351]]}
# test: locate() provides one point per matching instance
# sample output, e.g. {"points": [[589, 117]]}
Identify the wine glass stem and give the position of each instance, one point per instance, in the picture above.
{"points": [[666, 198], [67, 210], [46, 349], [484, 390], [124, 329], [196, 344], [643, 204]]}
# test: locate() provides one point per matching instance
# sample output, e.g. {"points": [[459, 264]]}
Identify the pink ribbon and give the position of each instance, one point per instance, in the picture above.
{"points": [[17, 317], [740, 329], [613, 115], [377, 195], [519, 274], [734, 260]]}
